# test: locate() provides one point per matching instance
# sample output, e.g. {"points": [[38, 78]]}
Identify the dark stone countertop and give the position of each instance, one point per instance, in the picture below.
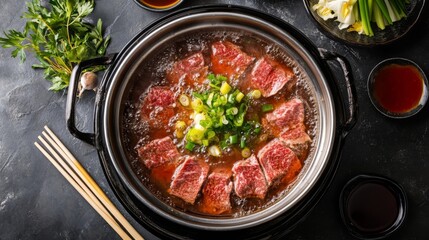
{"points": [[37, 203]]}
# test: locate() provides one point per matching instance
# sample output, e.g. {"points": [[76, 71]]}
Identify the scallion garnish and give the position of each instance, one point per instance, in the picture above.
{"points": [[220, 118], [190, 146], [267, 108]]}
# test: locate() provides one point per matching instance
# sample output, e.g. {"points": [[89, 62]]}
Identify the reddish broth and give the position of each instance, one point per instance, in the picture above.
{"points": [[136, 133]]}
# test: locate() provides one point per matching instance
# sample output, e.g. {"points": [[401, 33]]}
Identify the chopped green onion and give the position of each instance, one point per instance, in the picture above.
{"points": [[210, 99], [239, 97], [255, 94], [223, 144], [267, 107], [243, 142], [205, 142], [195, 135], [245, 153], [239, 120], [219, 118], [232, 111], [231, 98], [225, 88], [215, 151], [180, 125], [206, 123], [233, 139], [179, 133], [257, 130], [197, 105], [184, 100], [224, 120], [211, 134], [190, 146]]}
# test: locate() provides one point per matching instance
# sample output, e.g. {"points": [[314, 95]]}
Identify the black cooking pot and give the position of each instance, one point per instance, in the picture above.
{"points": [[336, 116]]}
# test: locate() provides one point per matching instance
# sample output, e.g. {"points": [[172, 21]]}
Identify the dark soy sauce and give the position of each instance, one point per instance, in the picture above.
{"points": [[398, 88], [372, 207]]}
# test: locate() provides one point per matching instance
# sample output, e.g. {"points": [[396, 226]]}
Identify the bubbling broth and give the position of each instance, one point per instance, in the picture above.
{"points": [[219, 123]]}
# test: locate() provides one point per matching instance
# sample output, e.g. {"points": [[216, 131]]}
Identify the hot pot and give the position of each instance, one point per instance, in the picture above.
{"points": [[337, 115]]}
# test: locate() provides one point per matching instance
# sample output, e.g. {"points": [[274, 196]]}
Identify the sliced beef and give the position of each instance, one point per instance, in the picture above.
{"points": [[188, 179], [275, 159], [158, 106], [216, 192], [249, 181], [296, 139], [228, 59], [292, 173], [269, 76], [288, 115], [189, 70], [158, 152]]}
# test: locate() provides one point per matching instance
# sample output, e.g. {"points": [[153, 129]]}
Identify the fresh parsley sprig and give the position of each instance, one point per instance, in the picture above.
{"points": [[60, 38]]}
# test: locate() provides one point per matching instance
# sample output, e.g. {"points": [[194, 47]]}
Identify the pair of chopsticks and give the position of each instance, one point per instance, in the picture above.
{"points": [[78, 177]]}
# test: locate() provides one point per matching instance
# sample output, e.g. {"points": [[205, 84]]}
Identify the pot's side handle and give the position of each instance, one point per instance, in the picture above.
{"points": [[350, 86], [72, 95]]}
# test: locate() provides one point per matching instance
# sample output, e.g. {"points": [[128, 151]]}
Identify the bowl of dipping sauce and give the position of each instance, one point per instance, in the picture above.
{"points": [[158, 5], [372, 207], [397, 87]]}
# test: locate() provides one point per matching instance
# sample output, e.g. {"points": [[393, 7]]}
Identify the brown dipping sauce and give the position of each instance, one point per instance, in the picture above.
{"points": [[372, 206], [159, 4], [398, 88]]}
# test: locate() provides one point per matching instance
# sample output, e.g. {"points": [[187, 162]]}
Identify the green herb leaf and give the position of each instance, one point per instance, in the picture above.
{"points": [[59, 37]]}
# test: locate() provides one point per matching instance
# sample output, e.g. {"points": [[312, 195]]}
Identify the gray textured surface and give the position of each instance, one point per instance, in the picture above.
{"points": [[37, 203]]}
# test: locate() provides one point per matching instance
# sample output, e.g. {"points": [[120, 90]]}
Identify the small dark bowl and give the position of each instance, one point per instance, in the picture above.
{"points": [[156, 8], [390, 185], [370, 86], [381, 37]]}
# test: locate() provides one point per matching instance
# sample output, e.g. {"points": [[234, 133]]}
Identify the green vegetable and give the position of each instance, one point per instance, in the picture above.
{"points": [[364, 15], [239, 97], [233, 139], [245, 153], [190, 146], [378, 17], [215, 151], [382, 12], [59, 37], [383, 8], [225, 88], [220, 116], [255, 94], [184, 100], [267, 107]]}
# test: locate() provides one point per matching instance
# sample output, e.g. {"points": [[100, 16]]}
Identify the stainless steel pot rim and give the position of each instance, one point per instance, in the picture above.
{"points": [[326, 124]]}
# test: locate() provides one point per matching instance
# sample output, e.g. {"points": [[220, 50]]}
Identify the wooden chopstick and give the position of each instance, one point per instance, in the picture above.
{"points": [[85, 185], [83, 174]]}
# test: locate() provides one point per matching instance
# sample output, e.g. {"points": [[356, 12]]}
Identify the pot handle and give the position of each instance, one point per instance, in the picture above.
{"points": [[72, 95], [350, 86]]}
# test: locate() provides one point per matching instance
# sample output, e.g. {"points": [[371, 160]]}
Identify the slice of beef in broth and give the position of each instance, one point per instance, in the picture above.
{"points": [[249, 180], [216, 192], [229, 60], [275, 159], [188, 179], [297, 139], [293, 171], [269, 76], [158, 152], [287, 115], [190, 71], [158, 107]]}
